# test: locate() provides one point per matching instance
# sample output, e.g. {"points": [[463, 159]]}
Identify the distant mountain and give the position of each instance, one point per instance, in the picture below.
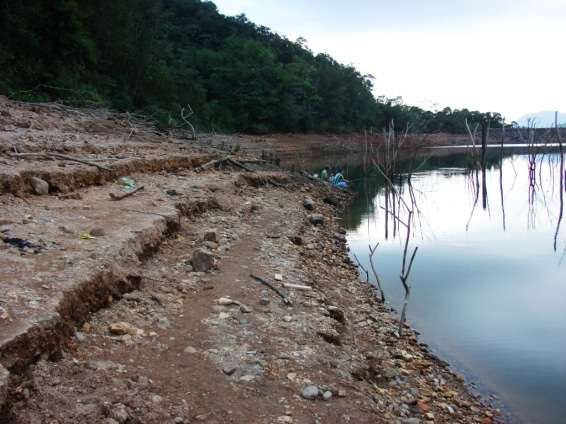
{"points": [[542, 119]]}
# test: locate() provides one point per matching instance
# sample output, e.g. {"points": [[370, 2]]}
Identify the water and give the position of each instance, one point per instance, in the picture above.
{"points": [[488, 286]]}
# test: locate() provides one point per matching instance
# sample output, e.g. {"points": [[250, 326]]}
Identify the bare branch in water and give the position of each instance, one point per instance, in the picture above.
{"points": [[377, 279], [561, 213]]}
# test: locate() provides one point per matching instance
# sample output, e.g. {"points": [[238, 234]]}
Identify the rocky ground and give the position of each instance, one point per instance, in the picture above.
{"points": [[217, 295]]}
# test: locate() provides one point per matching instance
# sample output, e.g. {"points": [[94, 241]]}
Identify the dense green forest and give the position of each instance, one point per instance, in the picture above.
{"points": [[158, 56]]}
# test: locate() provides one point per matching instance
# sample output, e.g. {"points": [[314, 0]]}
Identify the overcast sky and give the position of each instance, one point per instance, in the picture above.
{"points": [[492, 55]]}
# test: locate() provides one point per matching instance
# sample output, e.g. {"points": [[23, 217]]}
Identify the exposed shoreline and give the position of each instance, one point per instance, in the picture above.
{"points": [[185, 354]]}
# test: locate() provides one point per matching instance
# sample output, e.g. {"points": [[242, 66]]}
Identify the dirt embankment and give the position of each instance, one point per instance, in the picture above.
{"points": [[144, 310]]}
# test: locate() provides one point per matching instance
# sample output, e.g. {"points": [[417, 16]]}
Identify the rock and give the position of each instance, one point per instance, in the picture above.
{"points": [[316, 219], [411, 421], [210, 245], [245, 309], [226, 301], [97, 232], [119, 413], [39, 186], [191, 350], [202, 260], [264, 301], [308, 204], [337, 314], [340, 237], [229, 370], [156, 398], [80, 336], [278, 277], [331, 200], [172, 192], [123, 328], [310, 392], [297, 240], [327, 395], [65, 229], [211, 235], [391, 373], [178, 420], [163, 323]]}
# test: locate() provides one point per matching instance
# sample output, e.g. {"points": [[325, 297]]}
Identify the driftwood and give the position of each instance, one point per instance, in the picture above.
{"points": [[118, 197], [296, 286], [224, 161], [62, 157], [238, 164], [286, 300]]}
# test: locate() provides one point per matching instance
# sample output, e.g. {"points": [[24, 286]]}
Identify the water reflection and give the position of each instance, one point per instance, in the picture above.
{"points": [[488, 286]]}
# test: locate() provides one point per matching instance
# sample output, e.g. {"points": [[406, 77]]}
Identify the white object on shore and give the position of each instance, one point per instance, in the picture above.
{"points": [[296, 286]]}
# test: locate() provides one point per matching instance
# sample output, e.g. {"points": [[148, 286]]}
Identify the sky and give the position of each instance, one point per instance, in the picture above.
{"points": [[490, 55]]}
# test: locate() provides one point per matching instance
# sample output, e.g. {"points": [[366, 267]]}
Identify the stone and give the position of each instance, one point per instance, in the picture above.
{"points": [[316, 219], [297, 240], [331, 200], [202, 260], [81, 337], [278, 277], [308, 204], [310, 392], [411, 421], [123, 328], [211, 235], [163, 323], [337, 314], [245, 309], [191, 350], [229, 370], [391, 373], [264, 301], [210, 245], [97, 232], [39, 186], [327, 395], [119, 413], [340, 237], [156, 398]]}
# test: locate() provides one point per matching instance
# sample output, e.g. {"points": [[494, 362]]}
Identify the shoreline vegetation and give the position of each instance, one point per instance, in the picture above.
{"points": [[185, 64]]}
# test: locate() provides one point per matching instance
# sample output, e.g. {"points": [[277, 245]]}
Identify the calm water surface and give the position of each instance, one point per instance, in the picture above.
{"points": [[489, 289]]}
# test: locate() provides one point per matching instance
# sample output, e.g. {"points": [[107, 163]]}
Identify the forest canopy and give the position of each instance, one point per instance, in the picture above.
{"points": [[159, 56]]}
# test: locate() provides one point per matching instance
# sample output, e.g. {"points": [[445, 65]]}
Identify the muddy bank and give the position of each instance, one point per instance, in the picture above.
{"points": [[144, 310]]}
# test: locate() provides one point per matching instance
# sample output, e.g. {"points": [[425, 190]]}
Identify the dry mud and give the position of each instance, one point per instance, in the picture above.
{"points": [[106, 318]]}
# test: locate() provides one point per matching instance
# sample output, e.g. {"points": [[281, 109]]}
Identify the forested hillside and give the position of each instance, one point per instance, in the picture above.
{"points": [[161, 55]]}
